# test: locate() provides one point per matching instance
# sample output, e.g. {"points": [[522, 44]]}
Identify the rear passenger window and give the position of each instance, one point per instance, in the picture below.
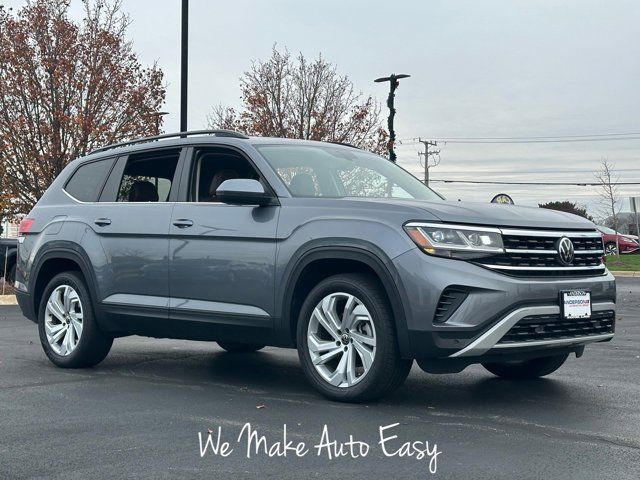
{"points": [[148, 177], [87, 181]]}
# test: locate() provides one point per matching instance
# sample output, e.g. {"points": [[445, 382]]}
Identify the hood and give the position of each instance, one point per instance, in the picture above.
{"points": [[493, 214]]}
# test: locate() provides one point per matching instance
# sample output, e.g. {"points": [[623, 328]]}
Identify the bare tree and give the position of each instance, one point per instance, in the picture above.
{"points": [[567, 206], [65, 88], [299, 98], [608, 191]]}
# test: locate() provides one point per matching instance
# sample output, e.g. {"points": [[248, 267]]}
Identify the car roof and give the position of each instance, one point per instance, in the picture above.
{"points": [[201, 137]]}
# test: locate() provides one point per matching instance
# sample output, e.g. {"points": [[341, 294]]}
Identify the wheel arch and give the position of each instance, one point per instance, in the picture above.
{"points": [[320, 262], [56, 260]]}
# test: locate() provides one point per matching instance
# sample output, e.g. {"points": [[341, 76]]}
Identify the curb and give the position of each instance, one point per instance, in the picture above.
{"points": [[622, 273], [8, 300]]}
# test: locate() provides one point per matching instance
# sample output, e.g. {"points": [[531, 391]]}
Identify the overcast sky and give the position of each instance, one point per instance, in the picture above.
{"points": [[478, 69]]}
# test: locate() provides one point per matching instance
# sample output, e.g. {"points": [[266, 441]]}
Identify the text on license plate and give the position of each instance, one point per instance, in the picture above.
{"points": [[576, 304]]}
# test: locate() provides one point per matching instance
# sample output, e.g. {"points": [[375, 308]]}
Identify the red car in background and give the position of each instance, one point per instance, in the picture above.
{"points": [[627, 243]]}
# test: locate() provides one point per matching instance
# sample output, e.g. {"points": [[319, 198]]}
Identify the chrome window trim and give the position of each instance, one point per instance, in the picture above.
{"points": [[143, 203], [116, 203]]}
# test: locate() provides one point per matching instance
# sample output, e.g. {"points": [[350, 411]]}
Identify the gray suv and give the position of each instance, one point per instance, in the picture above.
{"points": [[326, 248]]}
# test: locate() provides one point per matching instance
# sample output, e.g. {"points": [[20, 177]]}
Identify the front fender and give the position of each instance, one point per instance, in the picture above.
{"points": [[338, 249]]}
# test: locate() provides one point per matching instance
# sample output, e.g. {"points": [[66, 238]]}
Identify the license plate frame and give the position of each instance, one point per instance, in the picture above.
{"points": [[573, 311]]}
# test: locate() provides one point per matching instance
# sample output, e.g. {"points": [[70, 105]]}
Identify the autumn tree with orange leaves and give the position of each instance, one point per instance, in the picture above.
{"points": [[65, 88], [299, 98]]}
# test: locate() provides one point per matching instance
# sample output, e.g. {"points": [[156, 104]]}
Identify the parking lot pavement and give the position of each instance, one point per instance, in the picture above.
{"points": [[138, 414]]}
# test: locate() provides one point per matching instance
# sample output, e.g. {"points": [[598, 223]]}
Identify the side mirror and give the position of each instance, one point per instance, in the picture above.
{"points": [[243, 191]]}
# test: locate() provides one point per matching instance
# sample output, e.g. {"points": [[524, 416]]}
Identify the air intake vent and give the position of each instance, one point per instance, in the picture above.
{"points": [[553, 327], [449, 302]]}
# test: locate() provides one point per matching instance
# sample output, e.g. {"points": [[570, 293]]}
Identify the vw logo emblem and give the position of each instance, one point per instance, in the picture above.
{"points": [[565, 251]]}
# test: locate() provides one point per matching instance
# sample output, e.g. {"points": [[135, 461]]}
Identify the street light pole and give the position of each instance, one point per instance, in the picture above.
{"points": [[184, 64], [393, 84], [156, 118]]}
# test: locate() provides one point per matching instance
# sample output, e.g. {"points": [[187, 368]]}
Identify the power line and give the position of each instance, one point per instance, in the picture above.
{"points": [[534, 137], [410, 141], [581, 184]]}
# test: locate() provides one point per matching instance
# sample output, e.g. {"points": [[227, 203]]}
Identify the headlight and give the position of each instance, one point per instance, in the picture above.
{"points": [[455, 241]]}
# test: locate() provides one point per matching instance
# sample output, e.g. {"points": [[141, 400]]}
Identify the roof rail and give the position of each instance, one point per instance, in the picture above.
{"points": [[345, 144], [217, 133]]}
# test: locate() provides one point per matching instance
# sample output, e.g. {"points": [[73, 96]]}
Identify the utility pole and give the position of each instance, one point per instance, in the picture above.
{"points": [[184, 65], [393, 84], [426, 154]]}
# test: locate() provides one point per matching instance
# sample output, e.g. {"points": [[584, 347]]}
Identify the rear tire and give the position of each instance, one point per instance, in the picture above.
{"points": [[527, 369], [350, 365], [240, 347], [68, 330]]}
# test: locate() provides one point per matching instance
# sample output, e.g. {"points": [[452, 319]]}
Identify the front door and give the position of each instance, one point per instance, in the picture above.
{"points": [[221, 257]]}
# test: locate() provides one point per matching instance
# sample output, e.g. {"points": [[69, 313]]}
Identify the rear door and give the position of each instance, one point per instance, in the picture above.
{"points": [[133, 226], [222, 257]]}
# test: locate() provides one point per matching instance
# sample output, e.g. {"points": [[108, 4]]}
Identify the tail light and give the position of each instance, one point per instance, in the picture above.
{"points": [[25, 226]]}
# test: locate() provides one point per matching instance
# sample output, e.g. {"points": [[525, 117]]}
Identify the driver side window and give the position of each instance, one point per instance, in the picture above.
{"points": [[212, 166]]}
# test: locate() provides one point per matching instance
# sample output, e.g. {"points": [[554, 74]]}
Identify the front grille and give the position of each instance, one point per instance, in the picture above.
{"points": [[535, 253], [552, 327]]}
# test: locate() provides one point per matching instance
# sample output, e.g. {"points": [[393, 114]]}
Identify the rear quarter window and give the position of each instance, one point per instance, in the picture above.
{"points": [[87, 181]]}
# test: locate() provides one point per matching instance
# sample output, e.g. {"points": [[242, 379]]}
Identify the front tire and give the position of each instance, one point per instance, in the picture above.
{"points": [[347, 341], [527, 369], [69, 333]]}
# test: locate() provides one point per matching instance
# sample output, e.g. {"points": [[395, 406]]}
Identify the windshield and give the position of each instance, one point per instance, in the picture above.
{"points": [[334, 172]]}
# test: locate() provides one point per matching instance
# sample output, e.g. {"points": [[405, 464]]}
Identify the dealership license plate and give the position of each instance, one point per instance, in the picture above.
{"points": [[575, 304]]}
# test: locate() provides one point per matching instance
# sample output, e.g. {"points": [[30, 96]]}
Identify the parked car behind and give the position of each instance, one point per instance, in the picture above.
{"points": [[8, 249], [627, 243]]}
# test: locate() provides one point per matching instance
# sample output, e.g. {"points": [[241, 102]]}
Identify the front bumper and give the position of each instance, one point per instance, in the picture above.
{"points": [[490, 339], [495, 302]]}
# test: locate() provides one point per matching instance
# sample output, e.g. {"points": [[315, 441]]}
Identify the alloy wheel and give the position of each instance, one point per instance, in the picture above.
{"points": [[63, 320], [341, 339], [610, 249]]}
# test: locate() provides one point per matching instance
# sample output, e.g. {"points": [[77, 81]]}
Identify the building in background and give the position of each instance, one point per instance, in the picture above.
{"points": [[9, 228]]}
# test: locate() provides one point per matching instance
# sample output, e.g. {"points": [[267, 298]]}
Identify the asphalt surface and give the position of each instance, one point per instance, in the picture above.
{"points": [[138, 414]]}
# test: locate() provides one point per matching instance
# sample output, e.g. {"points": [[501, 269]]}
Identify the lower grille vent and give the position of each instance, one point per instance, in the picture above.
{"points": [[449, 302], [553, 327]]}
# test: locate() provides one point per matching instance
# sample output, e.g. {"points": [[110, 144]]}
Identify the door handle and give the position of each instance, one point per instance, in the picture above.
{"points": [[102, 222], [183, 223]]}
